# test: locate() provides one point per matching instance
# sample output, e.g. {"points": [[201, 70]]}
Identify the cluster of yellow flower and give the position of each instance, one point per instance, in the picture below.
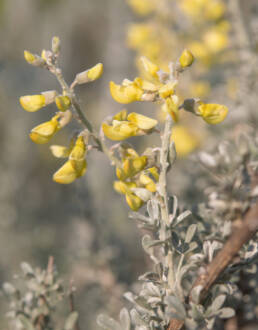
{"points": [[137, 175], [163, 31], [43, 133]]}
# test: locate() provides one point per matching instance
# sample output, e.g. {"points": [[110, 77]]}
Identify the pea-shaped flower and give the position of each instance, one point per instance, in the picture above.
{"points": [[212, 113], [44, 132]]}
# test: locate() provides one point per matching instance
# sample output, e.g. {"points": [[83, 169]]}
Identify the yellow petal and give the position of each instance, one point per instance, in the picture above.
{"points": [[141, 121], [29, 57], [149, 67], [44, 132], [213, 113], [120, 132], [167, 90], [124, 187], [32, 103], [133, 166], [66, 174], [133, 201], [95, 72], [125, 94], [186, 59], [146, 85], [60, 151], [154, 172], [63, 102], [121, 116], [171, 107]]}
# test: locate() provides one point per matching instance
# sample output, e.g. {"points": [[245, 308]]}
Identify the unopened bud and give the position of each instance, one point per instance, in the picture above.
{"points": [[89, 75], [186, 59], [63, 102], [56, 45], [33, 59]]}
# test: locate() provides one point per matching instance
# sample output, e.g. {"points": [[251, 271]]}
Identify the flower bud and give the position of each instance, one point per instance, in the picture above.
{"points": [[33, 59], [89, 75], [63, 102], [67, 173], [133, 201], [32, 103], [125, 94], [56, 45], [186, 59], [44, 132]]}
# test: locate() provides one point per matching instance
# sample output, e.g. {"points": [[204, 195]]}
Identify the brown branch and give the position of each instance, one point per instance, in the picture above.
{"points": [[241, 235], [71, 304]]}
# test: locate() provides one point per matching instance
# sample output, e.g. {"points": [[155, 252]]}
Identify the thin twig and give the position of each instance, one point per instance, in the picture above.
{"points": [[71, 304]]}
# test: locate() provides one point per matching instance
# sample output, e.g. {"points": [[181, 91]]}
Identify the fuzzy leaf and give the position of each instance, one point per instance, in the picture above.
{"points": [[190, 233], [226, 313], [218, 302], [175, 307], [182, 217], [125, 319], [135, 316]]}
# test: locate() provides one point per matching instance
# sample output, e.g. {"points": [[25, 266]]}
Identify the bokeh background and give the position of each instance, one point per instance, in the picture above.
{"points": [[83, 225]]}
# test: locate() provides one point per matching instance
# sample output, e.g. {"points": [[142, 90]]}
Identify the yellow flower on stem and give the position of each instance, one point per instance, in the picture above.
{"points": [[44, 132], [63, 102], [148, 178], [32, 103], [186, 59], [135, 124], [76, 165], [212, 113], [134, 201], [171, 107], [131, 166], [126, 93], [89, 75]]}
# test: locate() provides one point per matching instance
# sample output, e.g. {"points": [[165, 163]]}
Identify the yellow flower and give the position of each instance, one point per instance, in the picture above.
{"points": [[141, 121], [185, 141], [135, 124], [146, 179], [134, 201], [63, 102], [142, 7], [186, 59], [44, 132], [90, 75], [167, 90], [32, 103], [213, 113], [124, 187], [125, 93], [171, 107], [29, 57], [149, 67], [60, 151], [120, 130], [76, 165], [68, 173], [131, 166]]}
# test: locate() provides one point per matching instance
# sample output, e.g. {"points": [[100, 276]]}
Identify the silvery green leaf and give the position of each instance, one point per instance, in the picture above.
{"points": [[226, 313], [175, 307], [71, 321], [172, 153], [129, 296], [149, 276], [139, 217], [154, 300], [184, 270], [142, 193], [9, 288], [190, 233], [182, 217], [218, 302], [136, 318], [210, 323], [173, 205], [26, 322], [192, 247], [152, 289], [27, 269], [207, 159], [197, 312], [142, 302], [125, 319], [153, 209], [195, 293], [107, 323]]}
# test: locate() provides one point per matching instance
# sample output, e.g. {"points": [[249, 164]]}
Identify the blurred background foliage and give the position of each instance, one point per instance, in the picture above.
{"points": [[84, 225]]}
